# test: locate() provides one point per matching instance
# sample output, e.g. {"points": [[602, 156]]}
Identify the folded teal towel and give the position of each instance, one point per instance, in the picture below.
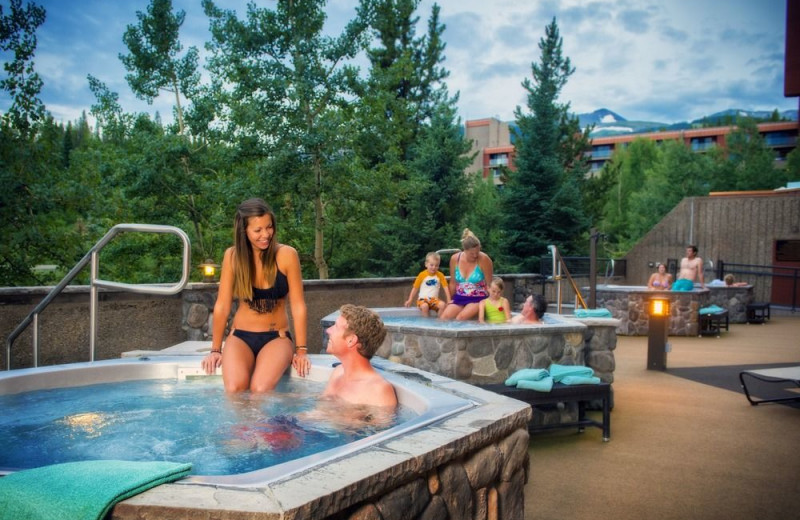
{"points": [[80, 490], [526, 374], [542, 385], [712, 309], [592, 313], [559, 372], [580, 380]]}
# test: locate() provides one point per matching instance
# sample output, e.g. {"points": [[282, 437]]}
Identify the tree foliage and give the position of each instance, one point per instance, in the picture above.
{"points": [[364, 169], [18, 36], [153, 63], [542, 199]]}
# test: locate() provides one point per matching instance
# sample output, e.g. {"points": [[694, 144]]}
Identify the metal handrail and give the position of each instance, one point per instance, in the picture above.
{"points": [[558, 266], [95, 283]]}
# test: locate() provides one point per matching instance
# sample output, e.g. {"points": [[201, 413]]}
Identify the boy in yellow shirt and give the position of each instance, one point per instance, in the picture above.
{"points": [[428, 284]]}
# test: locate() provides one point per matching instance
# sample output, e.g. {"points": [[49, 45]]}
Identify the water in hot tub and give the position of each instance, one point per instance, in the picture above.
{"points": [[181, 421]]}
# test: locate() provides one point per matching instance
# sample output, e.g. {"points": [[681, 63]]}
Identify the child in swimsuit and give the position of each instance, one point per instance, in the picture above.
{"points": [[495, 308], [427, 284]]}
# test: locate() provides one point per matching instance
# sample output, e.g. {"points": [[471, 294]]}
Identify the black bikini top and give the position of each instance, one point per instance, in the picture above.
{"points": [[264, 300]]}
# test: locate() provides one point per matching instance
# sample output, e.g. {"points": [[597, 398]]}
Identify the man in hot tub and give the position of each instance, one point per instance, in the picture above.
{"points": [[354, 338]]}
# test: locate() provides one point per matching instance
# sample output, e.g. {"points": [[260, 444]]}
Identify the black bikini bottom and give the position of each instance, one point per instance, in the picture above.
{"points": [[257, 340]]}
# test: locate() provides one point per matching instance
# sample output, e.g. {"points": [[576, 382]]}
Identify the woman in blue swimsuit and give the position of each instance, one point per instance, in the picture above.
{"points": [[471, 273], [261, 274]]}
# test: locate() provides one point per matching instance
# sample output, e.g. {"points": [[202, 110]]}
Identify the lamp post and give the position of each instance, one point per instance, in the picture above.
{"points": [[209, 269], [657, 332]]}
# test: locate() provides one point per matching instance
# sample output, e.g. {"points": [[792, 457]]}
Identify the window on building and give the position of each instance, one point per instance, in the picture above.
{"points": [[602, 151], [780, 138], [700, 144], [498, 159]]}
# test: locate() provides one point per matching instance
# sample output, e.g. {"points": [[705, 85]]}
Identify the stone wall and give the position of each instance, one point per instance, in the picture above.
{"points": [[630, 305], [734, 299], [485, 484]]}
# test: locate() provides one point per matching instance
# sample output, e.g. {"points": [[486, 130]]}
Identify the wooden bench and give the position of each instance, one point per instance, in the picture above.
{"points": [[758, 312], [713, 324], [562, 393]]}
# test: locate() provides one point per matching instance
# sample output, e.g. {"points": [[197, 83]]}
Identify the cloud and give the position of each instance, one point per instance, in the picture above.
{"points": [[645, 59], [636, 21]]}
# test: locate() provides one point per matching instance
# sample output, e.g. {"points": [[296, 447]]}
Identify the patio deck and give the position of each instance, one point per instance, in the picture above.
{"points": [[679, 448]]}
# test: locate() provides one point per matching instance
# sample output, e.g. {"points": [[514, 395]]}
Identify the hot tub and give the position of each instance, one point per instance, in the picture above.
{"points": [[454, 426], [489, 353], [628, 304]]}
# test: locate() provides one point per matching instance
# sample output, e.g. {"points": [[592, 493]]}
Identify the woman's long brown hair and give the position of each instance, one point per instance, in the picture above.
{"points": [[244, 256]]}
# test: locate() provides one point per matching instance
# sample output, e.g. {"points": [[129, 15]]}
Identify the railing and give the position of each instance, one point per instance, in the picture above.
{"points": [[95, 283], [762, 271], [559, 270]]}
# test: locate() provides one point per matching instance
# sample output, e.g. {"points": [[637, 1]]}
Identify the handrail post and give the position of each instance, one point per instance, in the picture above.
{"points": [[35, 336], [93, 304]]}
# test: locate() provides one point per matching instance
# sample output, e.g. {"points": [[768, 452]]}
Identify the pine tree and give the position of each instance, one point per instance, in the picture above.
{"points": [[542, 199]]}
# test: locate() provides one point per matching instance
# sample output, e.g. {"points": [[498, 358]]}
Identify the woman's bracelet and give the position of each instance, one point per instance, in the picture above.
{"points": [[215, 352], [298, 347]]}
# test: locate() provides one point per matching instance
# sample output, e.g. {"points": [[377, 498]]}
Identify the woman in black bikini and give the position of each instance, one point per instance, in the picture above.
{"points": [[260, 273]]}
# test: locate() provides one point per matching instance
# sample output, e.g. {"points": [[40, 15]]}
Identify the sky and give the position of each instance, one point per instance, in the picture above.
{"points": [[646, 60]]}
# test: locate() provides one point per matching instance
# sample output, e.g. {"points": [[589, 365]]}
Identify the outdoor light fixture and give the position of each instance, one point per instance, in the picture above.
{"points": [[659, 307], [657, 332], [209, 269]]}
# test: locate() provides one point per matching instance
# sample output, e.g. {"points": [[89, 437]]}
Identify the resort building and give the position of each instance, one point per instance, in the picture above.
{"points": [[492, 140], [780, 136]]}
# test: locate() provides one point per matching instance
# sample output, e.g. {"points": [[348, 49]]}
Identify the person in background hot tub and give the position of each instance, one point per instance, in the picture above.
{"points": [[262, 274], [661, 280], [532, 311], [691, 270], [471, 273]]}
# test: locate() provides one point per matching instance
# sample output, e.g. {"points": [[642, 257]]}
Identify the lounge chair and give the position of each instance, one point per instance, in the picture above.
{"points": [[771, 375]]}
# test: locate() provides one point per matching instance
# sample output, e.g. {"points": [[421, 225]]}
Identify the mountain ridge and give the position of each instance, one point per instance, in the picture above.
{"points": [[607, 122]]}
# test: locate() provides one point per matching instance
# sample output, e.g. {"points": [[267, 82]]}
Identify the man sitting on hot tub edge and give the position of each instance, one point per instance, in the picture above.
{"points": [[691, 270]]}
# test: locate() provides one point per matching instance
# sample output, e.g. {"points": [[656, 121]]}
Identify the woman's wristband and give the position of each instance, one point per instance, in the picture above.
{"points": [[213, 351], [301, 347]]}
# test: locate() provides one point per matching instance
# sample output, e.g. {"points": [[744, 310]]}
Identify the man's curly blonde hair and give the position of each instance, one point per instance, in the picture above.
{"points": [[366, 325]]}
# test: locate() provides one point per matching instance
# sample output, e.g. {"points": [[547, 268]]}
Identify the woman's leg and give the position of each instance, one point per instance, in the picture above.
{"points": [[450, 312], [468, 312], [271, 364], [237, 364]]}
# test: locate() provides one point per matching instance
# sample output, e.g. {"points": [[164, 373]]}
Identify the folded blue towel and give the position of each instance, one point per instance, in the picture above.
{"points": [[712, 309], [542, 385], [526, 374], [559, 372], [592, 313], [80, 490], [580, 380]]}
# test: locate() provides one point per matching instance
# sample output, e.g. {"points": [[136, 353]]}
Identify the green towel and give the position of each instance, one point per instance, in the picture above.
{"points": [[712, 309], [559, 372], [526, 374], [592, 313], [580, 380], [542, 385], [80, 490]]}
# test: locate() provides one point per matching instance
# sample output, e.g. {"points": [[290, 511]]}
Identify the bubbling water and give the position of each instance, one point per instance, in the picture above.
{"points": [[180, 421]]}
